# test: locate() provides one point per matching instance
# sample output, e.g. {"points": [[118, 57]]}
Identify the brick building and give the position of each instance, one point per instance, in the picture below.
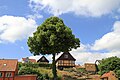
{"points": [[9, 71]]}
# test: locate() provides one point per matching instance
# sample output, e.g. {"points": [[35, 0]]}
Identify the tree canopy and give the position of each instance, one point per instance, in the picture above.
{"points": [[110, 64], [52, 36]]}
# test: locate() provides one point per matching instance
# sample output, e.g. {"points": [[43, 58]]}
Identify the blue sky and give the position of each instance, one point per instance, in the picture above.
{"points": [[95, 22]]}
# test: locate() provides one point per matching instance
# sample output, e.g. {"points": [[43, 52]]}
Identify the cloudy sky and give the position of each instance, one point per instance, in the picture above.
{"points": [[95, 22]]}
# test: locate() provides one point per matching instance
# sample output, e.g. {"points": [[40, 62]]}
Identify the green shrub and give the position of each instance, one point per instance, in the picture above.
{"points": [[45, 65], [28, 70], [42, 71], [82, 70], [118, 73], [110, 64], [37, 65], [19, 65]]}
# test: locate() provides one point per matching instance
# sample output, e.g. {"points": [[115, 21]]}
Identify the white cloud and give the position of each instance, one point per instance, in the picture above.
{"points": [[110, 41], [35, 57], [35, 16], [117, 17], [15, 28], [91, 57], [94, 8]]}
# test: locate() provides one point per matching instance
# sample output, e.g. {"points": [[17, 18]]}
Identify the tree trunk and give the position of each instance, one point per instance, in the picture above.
{"points": [[54, 71]]}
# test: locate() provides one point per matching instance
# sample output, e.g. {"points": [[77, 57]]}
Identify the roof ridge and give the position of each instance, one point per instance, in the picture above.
{"points": [[8, 59]]}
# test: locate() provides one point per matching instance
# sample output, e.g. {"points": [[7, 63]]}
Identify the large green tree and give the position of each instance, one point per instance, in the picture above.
{"points": [[110, 64], [52, 37]]}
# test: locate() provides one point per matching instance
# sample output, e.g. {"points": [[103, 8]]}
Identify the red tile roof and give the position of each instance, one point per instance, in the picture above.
{"points": [[8, 64], [108, 74], [31, 60]]}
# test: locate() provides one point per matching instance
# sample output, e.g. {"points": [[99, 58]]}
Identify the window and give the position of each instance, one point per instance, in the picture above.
{"points": [[0, 74], [65, 56], [8, 75]]}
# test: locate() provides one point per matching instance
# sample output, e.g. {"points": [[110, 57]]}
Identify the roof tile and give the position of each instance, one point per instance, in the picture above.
{"points": [[8, 64]]}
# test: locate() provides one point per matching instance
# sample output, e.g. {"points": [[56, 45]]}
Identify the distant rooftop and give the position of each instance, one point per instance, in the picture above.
{"points": [[31, 60]]}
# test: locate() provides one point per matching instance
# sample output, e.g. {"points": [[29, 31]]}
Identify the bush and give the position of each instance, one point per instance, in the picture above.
{"points": [[69, 69], [45, 65], [37, 65], [81, 70], [110, 64], [118, 73], [28, 70], [19, 65], [42, 71]]}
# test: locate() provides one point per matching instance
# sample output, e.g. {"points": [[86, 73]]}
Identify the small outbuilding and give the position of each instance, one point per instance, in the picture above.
{"points": [[43, 59], [91, 67]]}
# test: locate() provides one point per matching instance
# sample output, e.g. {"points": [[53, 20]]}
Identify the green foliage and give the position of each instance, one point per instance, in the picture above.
{"points": [[37, 65], [45, 65], [110, 64], [19, 65], [118, 73], [41, 70], [52, 37], [28, 70], [82, 70], [48, 73], [69, 69], [33, 65]]}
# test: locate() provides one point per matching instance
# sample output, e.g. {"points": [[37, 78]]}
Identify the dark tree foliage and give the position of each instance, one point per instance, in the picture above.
{"points": [[52, 37], [110, 64]]}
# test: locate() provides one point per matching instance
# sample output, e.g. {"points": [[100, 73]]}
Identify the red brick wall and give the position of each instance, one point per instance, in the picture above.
{"points": [[16, 71], [21, 77], [7, 78], [1, 78], [25, 77]]}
